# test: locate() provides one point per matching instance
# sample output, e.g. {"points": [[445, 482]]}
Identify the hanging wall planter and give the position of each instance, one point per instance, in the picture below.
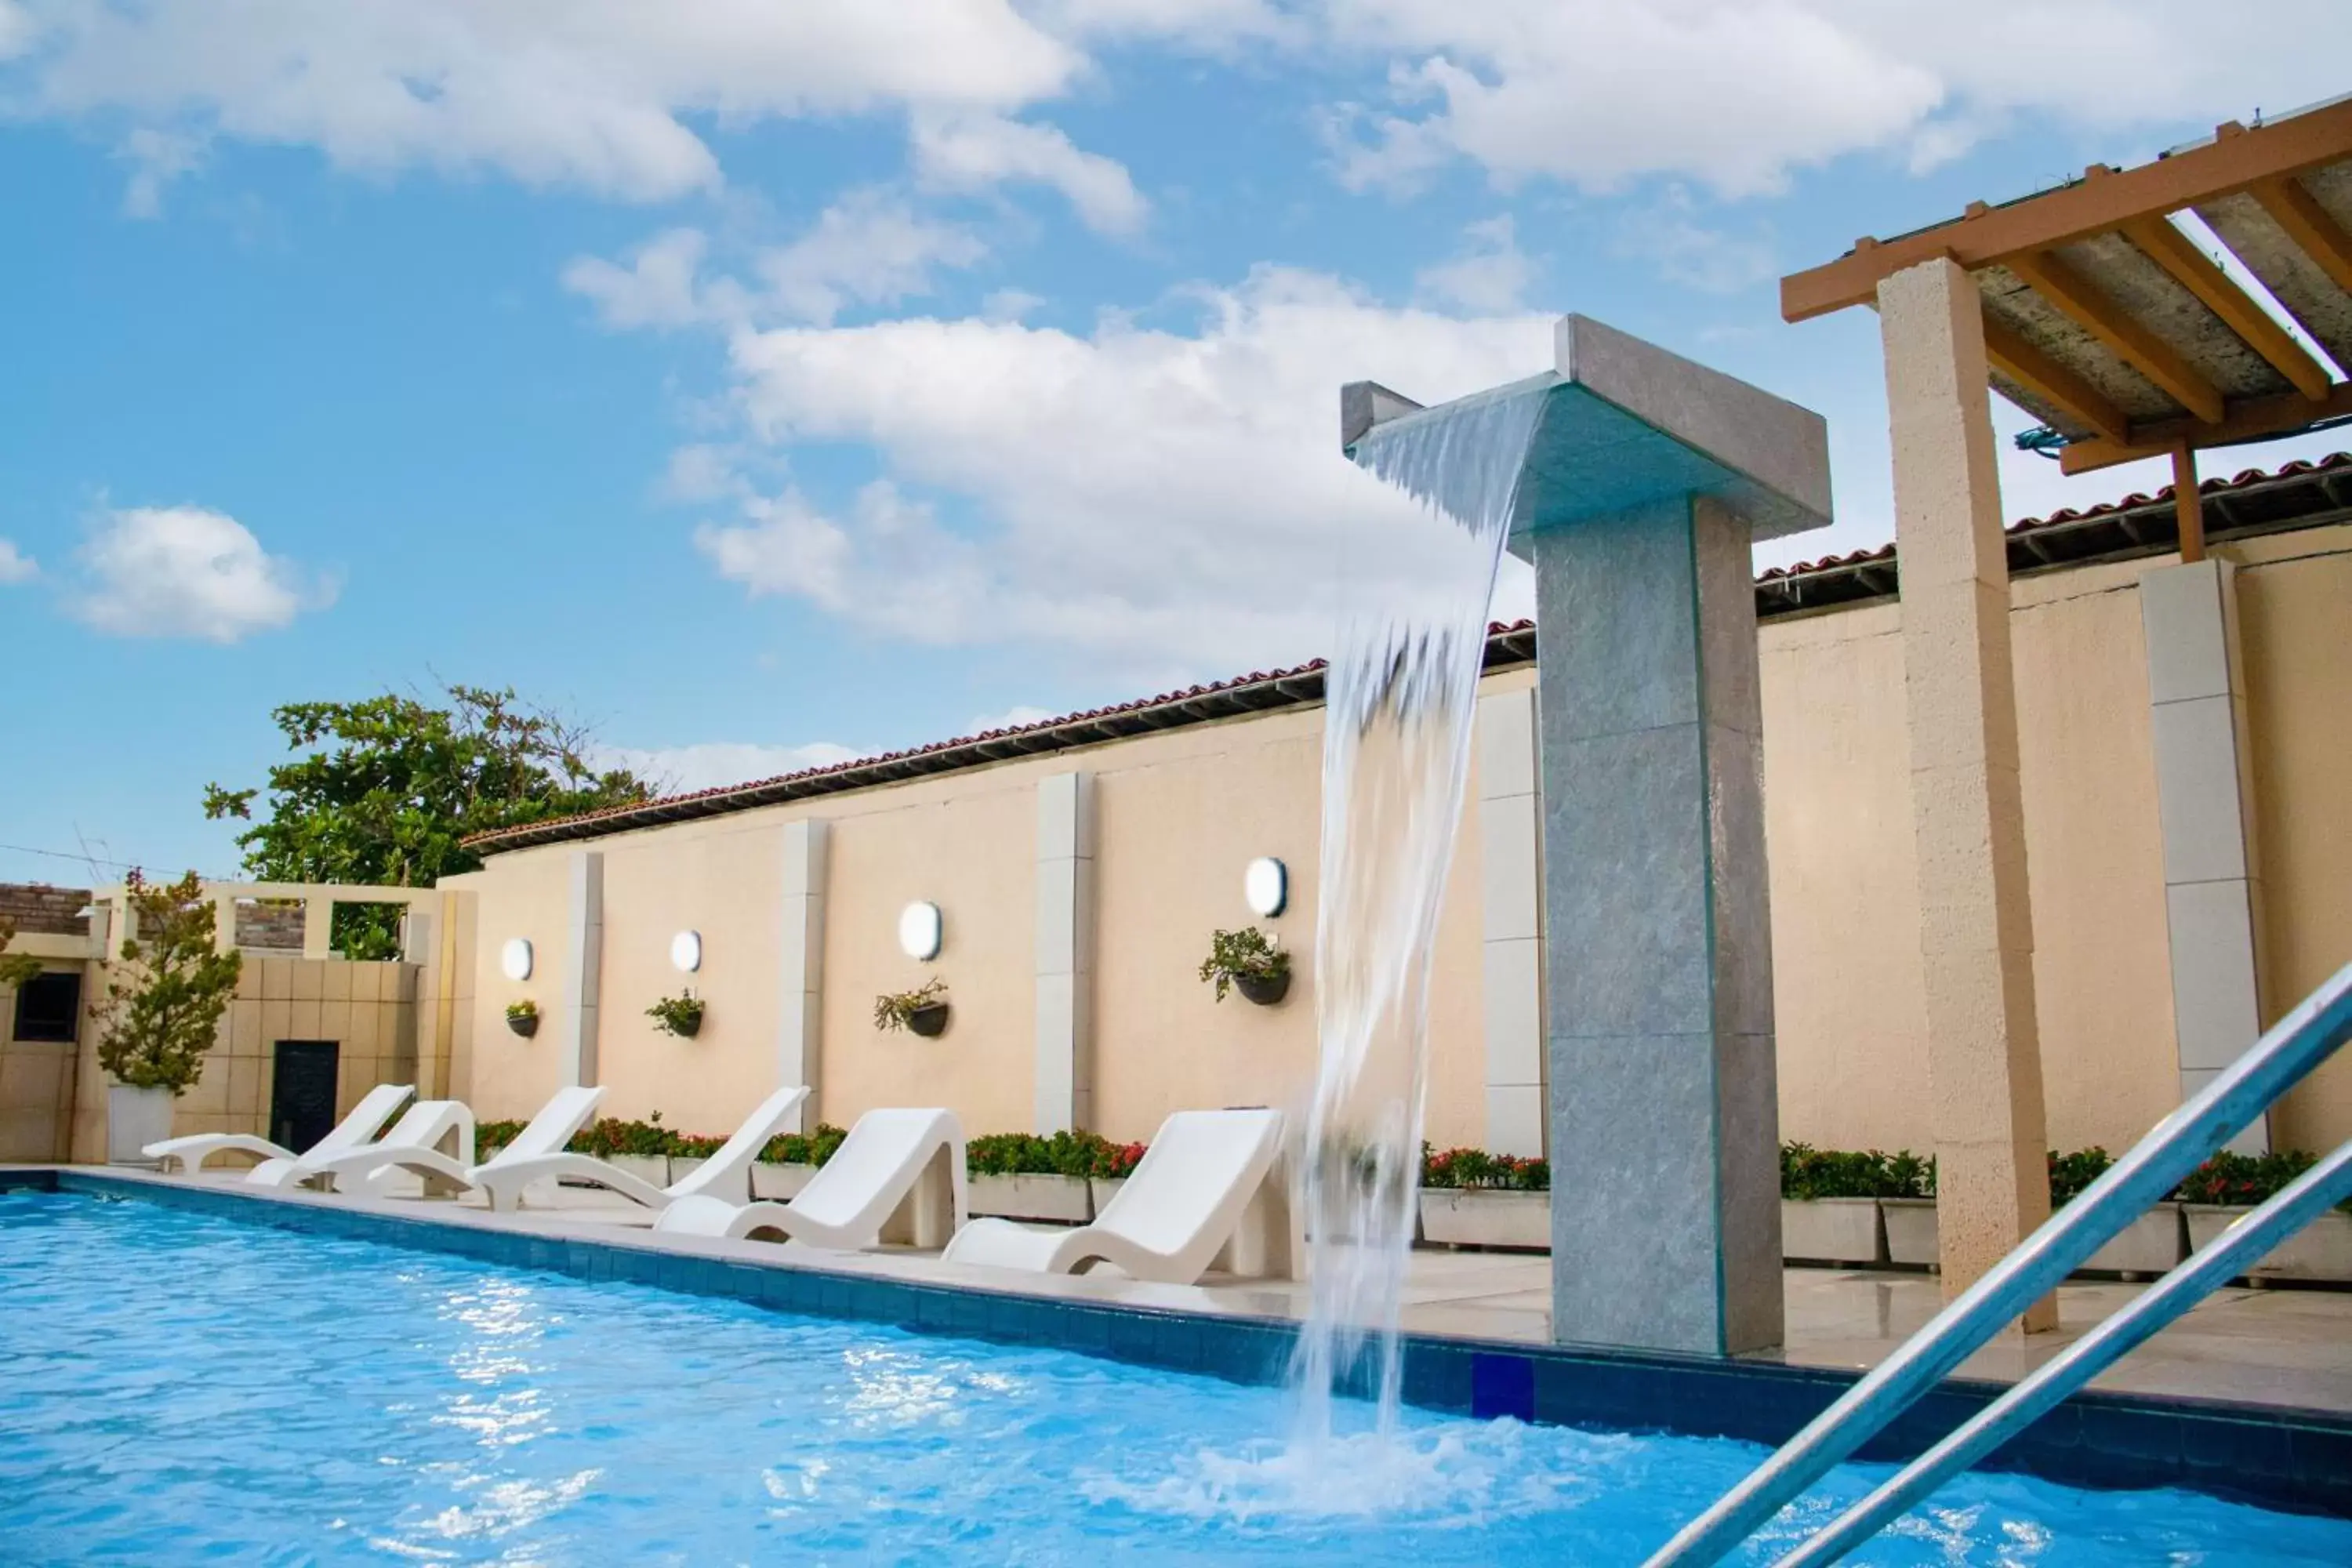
{"points": [[1247, 961], [924, 1010], [680, 1016], [1266, 990], [522, 1017]]}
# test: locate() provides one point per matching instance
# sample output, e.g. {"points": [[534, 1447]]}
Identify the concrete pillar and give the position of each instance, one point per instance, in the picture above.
{"points": [[799, 968], [224, 921], [1511, 885], [449, 1074], [584, 966], [1066, 961], [319, 926], [1666, 1231], [1968, 818], [2212, 883]]}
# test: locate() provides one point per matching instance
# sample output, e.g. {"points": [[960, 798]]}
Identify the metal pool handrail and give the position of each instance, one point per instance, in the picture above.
{"points": [[2176, 1146], [2313, 1193]]}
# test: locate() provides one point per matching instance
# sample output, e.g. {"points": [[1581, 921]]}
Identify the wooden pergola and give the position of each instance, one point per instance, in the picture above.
{"points": [[2107, 321]]}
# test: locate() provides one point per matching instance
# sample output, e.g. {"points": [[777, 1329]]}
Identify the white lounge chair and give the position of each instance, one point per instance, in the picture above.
{"points": [[898, 1177], [426, 1125], [726, 1173], [364, 1121], [548, 1132], [1206, 1196]]}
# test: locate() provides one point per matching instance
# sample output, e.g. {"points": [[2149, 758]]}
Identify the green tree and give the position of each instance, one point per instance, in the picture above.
{"points": [[387, 789], [163, 1006], [15, 968]]}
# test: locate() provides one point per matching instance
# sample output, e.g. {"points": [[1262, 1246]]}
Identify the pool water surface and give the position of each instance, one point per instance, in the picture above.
{"points": [[178, 1388]]}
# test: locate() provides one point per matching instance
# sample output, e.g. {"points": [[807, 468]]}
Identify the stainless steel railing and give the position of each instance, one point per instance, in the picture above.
{"points": [[2176, 1146]]}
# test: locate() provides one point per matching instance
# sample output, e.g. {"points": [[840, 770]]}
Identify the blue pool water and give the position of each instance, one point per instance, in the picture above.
{"points": [[177, 1388]]}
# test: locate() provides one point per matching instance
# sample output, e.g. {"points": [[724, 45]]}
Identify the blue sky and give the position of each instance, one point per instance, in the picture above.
{"points": [[766, 382]]}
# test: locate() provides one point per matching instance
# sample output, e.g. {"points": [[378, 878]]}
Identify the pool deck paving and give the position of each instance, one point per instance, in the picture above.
{"points": [[2283, 1348]]}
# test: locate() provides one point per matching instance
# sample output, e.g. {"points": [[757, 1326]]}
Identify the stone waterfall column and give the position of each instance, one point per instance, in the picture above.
{"points": [[799, 969], [2212, 881], [583, 967], [1511, 918], [1665, 1111], [1645, 483], [1066, 958], [1967, 812]]}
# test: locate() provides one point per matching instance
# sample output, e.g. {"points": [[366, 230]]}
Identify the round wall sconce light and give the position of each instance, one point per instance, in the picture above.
{"points": [[1266, 885], [686, 950], [919, 930], [514, 958]]}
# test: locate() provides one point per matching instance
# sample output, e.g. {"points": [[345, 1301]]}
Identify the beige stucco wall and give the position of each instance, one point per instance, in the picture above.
{"points": [[2294, 630]]}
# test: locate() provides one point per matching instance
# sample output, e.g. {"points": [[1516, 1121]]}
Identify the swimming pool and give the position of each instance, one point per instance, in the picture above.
{"points": [[176, 1387]]}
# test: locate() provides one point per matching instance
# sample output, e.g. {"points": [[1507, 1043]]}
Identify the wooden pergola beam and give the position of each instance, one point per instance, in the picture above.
{"points": [[2170, 248], [2133, 343], [2235, 160], [2249, 421], [2028, 365], [2306, 223]]}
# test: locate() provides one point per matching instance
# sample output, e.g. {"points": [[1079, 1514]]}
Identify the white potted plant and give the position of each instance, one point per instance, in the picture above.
{"points": [[1830, 1202], [1018, 1176], [2229, 1186], [791, 1160], [164, 999], [1471, 1198]]}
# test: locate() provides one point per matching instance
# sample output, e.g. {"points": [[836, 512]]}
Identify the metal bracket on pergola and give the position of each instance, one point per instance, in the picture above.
{"points": [[2106, 321]]}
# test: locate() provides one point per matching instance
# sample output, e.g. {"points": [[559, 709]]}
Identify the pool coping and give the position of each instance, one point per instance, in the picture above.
{"points": [[2274, 1457]]}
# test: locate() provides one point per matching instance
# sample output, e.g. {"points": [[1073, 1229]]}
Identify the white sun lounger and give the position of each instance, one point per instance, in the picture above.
{"points": [[548, 1132], [1206, 1196], [365, 1120], [426, 1125], [725, 1174], [897, 1177]]}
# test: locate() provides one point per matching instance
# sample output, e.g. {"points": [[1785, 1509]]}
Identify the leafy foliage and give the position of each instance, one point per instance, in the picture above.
{"points": [[805, 1148], [15, 968], [892, 1009], [1246, 952], [2246, 1179], [1063, 1155], [387, 788], [163, 1004], [681, 1015], [2070, 1174], [1476, 1168], [1810, 1172], [524, 1008]]}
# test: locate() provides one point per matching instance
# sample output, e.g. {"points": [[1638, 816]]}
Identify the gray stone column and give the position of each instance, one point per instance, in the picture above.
{"points": [[1511, 918], [1666, 1229], [584, 966], [1066, 960], [799, 969], [2213, 880]]}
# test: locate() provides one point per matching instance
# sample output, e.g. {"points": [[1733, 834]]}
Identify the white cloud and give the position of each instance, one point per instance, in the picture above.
{"points": [[1171, 502], [593, 94], [1735, 97], [1492, 274], [1687, 251], [160, 157], [187, 571], [714, 765], [868, 248], [15, 565], [975, 152]]}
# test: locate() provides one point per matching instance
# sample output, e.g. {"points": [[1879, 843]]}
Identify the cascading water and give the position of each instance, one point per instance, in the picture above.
{"points": [[1400, 692]]}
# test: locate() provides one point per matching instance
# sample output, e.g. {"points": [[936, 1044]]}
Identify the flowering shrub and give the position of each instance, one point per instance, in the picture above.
{"points": [[1810, 1172], [805, 1148], [2244, 1179], [1476, 1168], [2070, 1174], [490, 1135], [1116, 1161], [1063, 1155]]}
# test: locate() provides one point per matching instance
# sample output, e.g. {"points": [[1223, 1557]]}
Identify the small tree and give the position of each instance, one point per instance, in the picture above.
{"points": [[163, 1010], [15, 968]]}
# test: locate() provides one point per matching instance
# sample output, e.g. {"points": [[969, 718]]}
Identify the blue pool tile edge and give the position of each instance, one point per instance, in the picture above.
{"points": [[2296, 1460]]}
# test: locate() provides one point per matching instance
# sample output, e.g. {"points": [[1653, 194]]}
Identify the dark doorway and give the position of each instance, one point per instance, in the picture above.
{"points": [[302, 1098]]}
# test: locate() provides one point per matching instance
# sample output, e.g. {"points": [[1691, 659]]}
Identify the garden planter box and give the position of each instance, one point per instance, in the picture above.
{"points": [[654, 1168], [779, 1183], [2321, 1251], [134, 1119], [2150, 1245], [1485, 1216], [1834, 1230], [1062, 1200], [1910, 1232], [1103, 1189], [739, 1191]]}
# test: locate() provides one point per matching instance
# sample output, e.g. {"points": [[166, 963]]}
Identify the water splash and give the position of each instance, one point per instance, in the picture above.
{"points": [[1400, 693]]}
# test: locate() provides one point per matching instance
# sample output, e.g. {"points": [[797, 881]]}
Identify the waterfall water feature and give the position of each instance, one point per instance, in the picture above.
{"points": [[1400, 693]]}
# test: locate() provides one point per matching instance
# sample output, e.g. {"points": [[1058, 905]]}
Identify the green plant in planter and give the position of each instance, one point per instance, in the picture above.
{"points": [[1245, 954], [805, 1148], [681, 1015], [163, 1004], [526, 1008], [897, 1009], [1454, 1168]]}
